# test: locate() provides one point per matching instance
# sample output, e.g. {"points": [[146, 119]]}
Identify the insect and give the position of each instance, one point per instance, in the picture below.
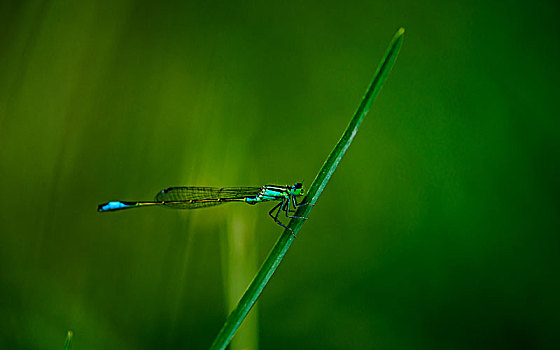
{"points": [[201, 197]]}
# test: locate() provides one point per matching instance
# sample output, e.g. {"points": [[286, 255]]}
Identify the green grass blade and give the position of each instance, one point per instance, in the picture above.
{"points": [[279, 250], [68, 340]]}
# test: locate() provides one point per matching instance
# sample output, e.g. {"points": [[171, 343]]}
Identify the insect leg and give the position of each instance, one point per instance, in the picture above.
{"points": [[278, 212], [286, 206], [292, 199], [300, 204], [279, 206], [272, 210]]}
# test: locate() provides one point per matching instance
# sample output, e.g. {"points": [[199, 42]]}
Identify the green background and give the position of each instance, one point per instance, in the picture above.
{"points": [[440, 228]]}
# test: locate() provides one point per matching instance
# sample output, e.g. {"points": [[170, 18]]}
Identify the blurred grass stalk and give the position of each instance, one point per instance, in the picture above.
{"points": [[323, 176], [239, 258], [68, 340]]}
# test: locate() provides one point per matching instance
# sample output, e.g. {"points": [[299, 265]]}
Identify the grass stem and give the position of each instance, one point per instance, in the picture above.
{"points": [[281, 247], [68, 341]]}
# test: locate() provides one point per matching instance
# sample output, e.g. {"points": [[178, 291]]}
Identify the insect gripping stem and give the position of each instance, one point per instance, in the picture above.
{"points": [[277, 253]]}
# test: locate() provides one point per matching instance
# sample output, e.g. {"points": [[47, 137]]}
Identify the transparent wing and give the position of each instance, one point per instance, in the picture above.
{"points": [[200, 197]]}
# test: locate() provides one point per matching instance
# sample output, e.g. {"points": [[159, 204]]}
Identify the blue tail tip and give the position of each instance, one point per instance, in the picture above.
{"points": [[111, 206]]}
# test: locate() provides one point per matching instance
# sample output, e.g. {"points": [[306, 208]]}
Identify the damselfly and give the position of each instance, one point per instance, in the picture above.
{"points": [[201, 197]]}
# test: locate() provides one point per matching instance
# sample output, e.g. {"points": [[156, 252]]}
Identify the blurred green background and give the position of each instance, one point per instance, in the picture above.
{"points": [[440, 229]]}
